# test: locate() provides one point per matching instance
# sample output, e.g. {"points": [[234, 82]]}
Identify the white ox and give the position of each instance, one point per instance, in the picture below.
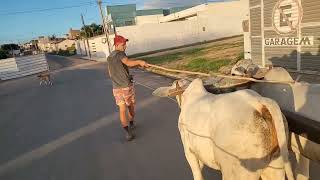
{"points": [[241, 134]]}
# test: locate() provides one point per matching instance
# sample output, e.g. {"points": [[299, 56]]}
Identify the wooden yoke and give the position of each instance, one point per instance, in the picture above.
{"points": [[177, 92]]}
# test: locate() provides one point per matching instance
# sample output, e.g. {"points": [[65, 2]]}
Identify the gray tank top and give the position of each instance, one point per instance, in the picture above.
{"points": [[118, 72]]}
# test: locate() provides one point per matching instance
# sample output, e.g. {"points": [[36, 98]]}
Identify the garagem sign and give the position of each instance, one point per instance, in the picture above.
{"points": [[289, 41], [287, 16]]}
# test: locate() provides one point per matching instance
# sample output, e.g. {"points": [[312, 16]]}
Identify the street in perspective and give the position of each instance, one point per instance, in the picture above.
{"points": [[138, 90]]}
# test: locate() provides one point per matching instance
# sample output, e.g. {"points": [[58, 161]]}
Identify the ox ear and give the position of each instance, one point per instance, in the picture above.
{"points": [[174, 90]]}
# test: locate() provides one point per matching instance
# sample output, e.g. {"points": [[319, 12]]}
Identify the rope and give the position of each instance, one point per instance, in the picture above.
{"points": [[219, 75]]}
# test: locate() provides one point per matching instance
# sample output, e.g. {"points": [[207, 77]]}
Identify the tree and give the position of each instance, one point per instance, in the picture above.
{"points": [[9, 47], [91, 30], [3, 54], [52, 37]]}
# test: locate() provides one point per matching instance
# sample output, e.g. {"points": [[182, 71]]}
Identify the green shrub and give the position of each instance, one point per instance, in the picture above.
{"points": [[204, 65], [3, 54]]}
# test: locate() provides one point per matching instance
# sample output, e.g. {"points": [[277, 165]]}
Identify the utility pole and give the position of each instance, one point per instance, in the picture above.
{"points": [[105, 28], [86, 37]]}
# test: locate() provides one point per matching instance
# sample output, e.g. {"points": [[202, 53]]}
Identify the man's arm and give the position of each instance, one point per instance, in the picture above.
{"points": [[133, 63]]}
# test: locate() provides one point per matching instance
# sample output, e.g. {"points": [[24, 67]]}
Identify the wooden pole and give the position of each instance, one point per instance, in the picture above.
{"points": [[105, 28], [86, 36], [219, 75]]}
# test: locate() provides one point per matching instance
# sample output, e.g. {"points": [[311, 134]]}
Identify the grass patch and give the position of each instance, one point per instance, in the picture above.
{"points": [[163, 59], [194, 52], [202, 59], [204, 65]]}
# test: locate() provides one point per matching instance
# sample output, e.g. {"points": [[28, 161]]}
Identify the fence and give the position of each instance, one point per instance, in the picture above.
{"points": [[22, 66]]}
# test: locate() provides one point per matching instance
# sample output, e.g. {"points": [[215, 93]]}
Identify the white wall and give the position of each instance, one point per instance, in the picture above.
{"points": [[151, 37], [97, 45], [8, 65], [217, 21], [81, 47], [148, 19], [23, 66], [223, 19]]}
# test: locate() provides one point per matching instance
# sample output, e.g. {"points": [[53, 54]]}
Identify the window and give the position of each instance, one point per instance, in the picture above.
{"points": [[128, 23]]}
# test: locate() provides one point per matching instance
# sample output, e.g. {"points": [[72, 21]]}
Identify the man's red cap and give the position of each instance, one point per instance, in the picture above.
{"points": [[119, 39]]}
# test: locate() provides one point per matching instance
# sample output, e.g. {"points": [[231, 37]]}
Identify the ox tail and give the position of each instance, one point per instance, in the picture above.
{"points": [[279, 125]]}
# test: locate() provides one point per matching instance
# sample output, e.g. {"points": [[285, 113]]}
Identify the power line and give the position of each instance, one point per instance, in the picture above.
{"points": [[46, 9]]}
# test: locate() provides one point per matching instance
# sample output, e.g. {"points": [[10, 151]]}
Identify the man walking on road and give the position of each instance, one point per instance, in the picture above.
{"points": [[123, 88]]}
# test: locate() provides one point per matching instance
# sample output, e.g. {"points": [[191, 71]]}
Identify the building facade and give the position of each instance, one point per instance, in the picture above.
{"points": [[198, 24], [128, 15], [73, 34], [285, 33], [64, 45]]}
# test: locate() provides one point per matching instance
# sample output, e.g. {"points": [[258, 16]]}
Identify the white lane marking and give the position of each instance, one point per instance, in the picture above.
{"points": [[27, 158]]}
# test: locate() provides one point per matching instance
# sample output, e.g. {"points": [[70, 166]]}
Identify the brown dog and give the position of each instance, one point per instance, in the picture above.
{"points": [[45, 78]]}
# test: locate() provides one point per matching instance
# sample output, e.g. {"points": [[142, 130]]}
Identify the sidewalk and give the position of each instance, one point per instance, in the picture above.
{"points": [[99, 59]]}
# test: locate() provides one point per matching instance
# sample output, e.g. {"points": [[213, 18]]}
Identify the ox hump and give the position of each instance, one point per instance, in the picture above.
{"points": [[196, 87]]}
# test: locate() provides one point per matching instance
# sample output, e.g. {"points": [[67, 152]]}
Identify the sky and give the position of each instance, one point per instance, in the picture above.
{"points": [[23, 20]]}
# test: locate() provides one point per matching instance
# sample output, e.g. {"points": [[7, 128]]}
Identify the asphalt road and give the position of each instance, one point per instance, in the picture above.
{"points": [[58, 62], [71, 131]]}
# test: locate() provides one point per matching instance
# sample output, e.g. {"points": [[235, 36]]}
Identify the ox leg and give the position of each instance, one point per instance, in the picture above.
{"points": [[302, 167], [195, 165], [275, 170]]}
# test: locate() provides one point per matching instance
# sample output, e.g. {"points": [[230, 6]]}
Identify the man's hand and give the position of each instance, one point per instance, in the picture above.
{"points": [[144, 64]]}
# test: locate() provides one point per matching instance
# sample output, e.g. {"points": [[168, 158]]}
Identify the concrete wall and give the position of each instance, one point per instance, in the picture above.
{"points": [[217, 21], [151, 37], [81, 47], [22, 66], [148, 19], [214, 23], [8, 65], [97, 45], [223, 19]]}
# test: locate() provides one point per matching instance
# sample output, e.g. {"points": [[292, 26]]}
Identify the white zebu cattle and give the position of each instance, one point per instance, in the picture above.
{"points": [[238, 133]]}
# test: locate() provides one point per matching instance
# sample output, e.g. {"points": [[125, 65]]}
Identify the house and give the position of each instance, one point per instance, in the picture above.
{"points": [[122, 15], [73, 34], [149, 16], [46, 44], [31, 45], [128, 15]]}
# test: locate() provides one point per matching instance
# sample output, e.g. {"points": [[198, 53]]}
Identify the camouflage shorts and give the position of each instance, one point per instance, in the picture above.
{"points": [[125, 95]]}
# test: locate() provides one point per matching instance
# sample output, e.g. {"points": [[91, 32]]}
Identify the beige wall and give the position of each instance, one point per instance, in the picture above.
{"points": [[64, 44]]}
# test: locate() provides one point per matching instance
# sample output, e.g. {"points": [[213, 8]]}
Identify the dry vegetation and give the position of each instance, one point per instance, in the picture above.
{"points": [[202, 58]]}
